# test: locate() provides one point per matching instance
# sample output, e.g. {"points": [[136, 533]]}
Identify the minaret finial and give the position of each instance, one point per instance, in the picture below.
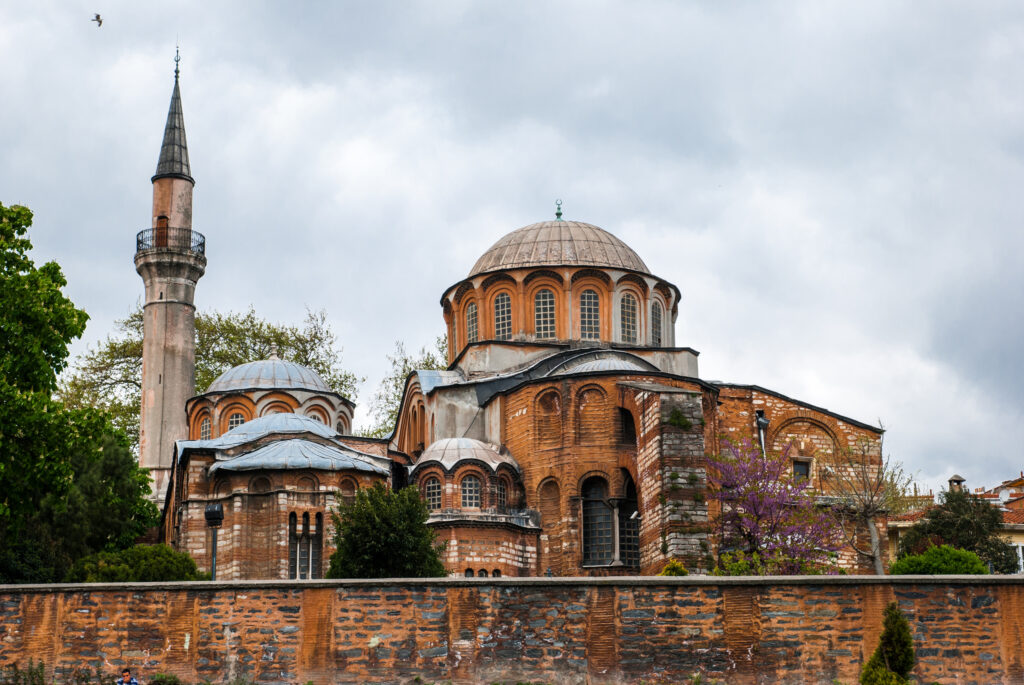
{"points": [[273, 351], [558, 210], [177, 58]]}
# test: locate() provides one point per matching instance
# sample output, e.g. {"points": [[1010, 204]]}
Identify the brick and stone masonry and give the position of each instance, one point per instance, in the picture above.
{"points": [[967, 629]]}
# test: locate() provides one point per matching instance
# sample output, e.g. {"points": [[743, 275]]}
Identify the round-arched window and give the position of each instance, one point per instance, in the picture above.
{"points": [[544, 314], [590, 315], [656, 324], [470, 490], [204, 429], [235, 420], [501, 494], [627, 314], [502, 317], [471, 323], [597, 522], [432, 493]]}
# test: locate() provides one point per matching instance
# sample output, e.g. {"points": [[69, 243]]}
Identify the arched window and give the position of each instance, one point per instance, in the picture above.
{"points": [[482, 573], [656, 324], [502, 317], [597, 523], [204, 429], [629, 523], [305, 546], [340, 428], [627, 427], [471, 327], [544, 314], [293, 546], [235, 420], [470, 489], [496, 573], [315, 416], [306, 483], [347, 491], [432, 493], [627, 315], [260, 485], [590, 315], [469, 573], [501, 494]]}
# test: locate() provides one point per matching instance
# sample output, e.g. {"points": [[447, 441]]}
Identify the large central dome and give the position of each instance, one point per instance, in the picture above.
{"points": [[557, 243]]}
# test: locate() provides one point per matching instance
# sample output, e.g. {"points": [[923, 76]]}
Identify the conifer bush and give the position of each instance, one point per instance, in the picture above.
{"points": [[894, 656]]}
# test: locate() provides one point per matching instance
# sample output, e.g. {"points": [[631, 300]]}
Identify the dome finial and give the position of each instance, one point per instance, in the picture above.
{"points": [[558, 210], [273, 351], [177, 58]]}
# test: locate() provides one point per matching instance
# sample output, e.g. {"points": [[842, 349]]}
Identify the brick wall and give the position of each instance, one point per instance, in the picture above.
{"points": [[584, 630]]}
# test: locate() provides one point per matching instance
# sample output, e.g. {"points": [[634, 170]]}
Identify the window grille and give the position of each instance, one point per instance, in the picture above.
{"points": [[501, 494], [204, 429], [236, 419], [628, 318], [502, 317], [471, 329], [590, 315], [656, 324], [470, 489], [597, 523], [544, 314], [432, 493]]}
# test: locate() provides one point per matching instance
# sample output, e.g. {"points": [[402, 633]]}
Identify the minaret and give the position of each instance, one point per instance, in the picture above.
{"points": [[171, 258]]}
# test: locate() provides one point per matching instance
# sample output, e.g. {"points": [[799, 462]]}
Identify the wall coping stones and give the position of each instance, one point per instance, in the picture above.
{"points": [[619, 581]]}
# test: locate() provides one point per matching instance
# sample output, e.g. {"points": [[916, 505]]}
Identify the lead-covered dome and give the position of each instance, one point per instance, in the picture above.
{"points": [[268, 374], [450, 452], [556, 243]]}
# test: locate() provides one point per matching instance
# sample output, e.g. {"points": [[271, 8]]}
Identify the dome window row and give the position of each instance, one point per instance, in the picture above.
{"points": [[551, 321]]}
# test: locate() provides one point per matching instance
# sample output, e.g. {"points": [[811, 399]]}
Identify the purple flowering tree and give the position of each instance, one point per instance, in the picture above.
{"points": [[767, 518]]}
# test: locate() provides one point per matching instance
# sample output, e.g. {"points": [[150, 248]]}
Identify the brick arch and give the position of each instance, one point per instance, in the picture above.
{"points": [[494, 279], [556, 286], [593, 473], [605, 303], [548, 409], [515, 325], [544, 273], [590, 420], [591, 273], [197, 421], [461, 291], [236, 405], [797, 418], [664, 290], [634, 280], [459, 474]]}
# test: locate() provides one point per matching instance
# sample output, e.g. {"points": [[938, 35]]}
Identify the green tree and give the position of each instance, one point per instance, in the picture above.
{"points": [[388, 399], [140, 564], [938, 561], [37, 322], [963, 521], [67, 485], [894, 656], [384, 534], [110, 376]]}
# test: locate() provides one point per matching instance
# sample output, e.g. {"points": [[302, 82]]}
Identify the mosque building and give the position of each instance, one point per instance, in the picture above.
{"points": [[569, 434]]}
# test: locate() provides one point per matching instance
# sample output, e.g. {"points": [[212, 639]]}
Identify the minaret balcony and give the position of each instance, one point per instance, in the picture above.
{"points": [[167, 239]]}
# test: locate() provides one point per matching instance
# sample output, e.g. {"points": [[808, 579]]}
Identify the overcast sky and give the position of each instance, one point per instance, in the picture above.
{"points": [[836, 188]]}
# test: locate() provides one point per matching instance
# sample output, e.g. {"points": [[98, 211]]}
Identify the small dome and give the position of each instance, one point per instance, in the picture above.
{"points": [[450, 451], [279, 423], [558, 243], [269, 373]]}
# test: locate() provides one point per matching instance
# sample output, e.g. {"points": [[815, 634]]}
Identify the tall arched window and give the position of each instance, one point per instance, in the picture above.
{"points": [[204, 429], [432, 493], [627, 315], [629, 523], [235, 420], [544, 314], [501, 494], [470, 489], [502, 317], [597, 522], [656, 324], [305, 546], [590, 315], [471, 327]]}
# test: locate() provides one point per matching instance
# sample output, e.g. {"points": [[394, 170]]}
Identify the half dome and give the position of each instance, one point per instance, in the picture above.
{"points": [[559, 243], [269, 374]]}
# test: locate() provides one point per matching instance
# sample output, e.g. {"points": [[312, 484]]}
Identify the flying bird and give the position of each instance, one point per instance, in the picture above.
{"points": [[98, 19]]}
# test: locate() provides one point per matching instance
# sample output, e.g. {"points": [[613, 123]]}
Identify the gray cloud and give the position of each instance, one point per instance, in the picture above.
{"points": [[834, 188]]}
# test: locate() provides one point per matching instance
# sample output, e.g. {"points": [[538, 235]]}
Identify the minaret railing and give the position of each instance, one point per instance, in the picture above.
{"points": [[171, 240]]}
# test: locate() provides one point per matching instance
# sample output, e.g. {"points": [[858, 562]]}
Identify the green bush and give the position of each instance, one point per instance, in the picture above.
{"points": [[894, 656], [165, 679], [674, 568], [939, 561], [142, 563]]}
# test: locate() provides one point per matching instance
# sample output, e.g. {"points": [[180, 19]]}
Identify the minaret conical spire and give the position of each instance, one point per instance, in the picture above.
{"points": [[174, 151]]}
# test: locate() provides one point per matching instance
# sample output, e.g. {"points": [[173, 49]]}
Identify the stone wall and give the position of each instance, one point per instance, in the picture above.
{"points": [[581, 630]]}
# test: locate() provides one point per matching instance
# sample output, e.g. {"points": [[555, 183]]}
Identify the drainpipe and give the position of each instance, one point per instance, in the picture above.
{"points": [[762, 428]]}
